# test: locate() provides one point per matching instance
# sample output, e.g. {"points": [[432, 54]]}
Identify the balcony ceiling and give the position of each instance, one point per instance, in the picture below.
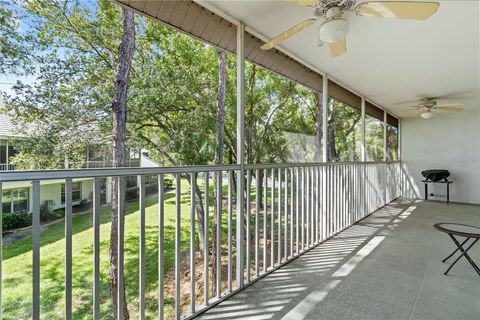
{"points": [[390, 62]]}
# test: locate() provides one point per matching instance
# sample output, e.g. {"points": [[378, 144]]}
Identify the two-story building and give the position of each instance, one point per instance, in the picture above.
{"points": [[16, 196]]}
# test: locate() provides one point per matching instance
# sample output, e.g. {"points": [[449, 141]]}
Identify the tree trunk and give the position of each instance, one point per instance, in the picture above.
{"points": [[319, 125], [331, 125], [119, 116], [222, 83]]}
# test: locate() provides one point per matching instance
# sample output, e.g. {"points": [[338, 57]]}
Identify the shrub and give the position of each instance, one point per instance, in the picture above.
{"points": [[168, 183], [151, 188], [48, 214], [131, 193], [17, 220]]}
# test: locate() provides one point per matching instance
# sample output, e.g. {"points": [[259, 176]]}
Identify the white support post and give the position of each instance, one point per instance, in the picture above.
{"points": [[324, 155], [385, 151], [399, 135], [7, 156], [385, 158], [240, 148], [324, 118], [363, 146], [363, 150]]}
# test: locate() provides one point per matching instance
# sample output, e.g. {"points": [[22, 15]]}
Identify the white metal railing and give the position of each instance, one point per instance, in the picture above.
{"points": [[108, 163], [289, 209], [7, 167]]}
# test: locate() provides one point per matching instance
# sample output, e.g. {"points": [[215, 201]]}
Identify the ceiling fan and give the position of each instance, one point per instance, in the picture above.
{"points": [[334, 28], [429, 104]]}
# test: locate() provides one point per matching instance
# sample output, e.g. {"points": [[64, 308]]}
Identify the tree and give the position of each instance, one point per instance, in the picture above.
{"points": [[119, 118], [222, 83], [15, 47]]}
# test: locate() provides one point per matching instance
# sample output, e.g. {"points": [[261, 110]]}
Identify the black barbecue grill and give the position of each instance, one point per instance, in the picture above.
{"points": [[436, 176]]}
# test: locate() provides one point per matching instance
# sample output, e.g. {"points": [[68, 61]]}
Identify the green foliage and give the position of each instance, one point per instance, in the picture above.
{"points": [[168, 183], [16, 220], [23, 219], [15, 46], [131, 193]]}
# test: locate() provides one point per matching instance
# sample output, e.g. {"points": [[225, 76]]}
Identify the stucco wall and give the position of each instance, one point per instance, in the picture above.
{"points": [[448, 141]]}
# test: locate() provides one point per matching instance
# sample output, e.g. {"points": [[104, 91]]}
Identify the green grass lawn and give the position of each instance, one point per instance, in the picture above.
{"points": [[17, 261]]}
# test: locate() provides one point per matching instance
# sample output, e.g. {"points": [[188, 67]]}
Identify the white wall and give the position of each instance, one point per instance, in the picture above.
{"points": [[448, 141]]}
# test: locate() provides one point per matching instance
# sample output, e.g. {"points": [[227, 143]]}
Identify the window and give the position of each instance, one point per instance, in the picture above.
{"points": [[344, 125], [76, 192], [15, 200], [3, 154], [392, 143], [373, 138]]}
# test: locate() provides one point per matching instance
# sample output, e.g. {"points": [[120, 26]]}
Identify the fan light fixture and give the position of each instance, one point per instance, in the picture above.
{"points": [[427, 115], [333, 30]]}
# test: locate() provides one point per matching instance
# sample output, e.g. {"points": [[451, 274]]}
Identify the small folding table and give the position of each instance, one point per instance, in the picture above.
{"points": [[464, 231]]}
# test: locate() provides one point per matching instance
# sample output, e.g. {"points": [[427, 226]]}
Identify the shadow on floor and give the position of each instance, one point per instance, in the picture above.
{"points": [[293, 291]]}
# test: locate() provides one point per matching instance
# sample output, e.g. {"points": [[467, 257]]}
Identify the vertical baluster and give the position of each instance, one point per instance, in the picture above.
{"points": [[285, 232], [120, 248], [317, 207], [36, 250], [218, 261], [331, 192], [308, 207], [96, 248], [141, 278], [312, 206], [337, 197], [193, 186], [272, 221], [297, 209], [248, 245], [161, 245], [279, 217], [342, 196], [257, 214], [323, 202], [292, 207], [265, 205], [302, 223], [206, 244], [230, 219], [1, 248], [178, 217], [68, 249]]}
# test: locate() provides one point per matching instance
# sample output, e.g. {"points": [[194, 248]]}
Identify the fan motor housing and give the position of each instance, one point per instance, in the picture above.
{"points": [[322, 8]]}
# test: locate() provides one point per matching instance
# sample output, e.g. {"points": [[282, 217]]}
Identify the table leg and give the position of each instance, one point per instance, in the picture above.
{"points": [[465, 254], [426, 192], [455, 250], [448, 193]]}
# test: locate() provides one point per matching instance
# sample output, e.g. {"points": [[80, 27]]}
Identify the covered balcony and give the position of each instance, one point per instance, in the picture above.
{"points": [[329, 237]]}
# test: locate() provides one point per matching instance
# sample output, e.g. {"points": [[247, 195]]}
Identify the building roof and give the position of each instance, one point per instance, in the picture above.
{"points": [[10, 129]]}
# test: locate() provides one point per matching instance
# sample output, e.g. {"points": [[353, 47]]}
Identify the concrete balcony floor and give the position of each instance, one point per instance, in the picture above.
{"points": [[388, 266]]}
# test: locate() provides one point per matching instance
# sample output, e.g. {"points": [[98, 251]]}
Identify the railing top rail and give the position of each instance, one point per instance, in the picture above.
{"points": [[311, 164], [28, 175]]}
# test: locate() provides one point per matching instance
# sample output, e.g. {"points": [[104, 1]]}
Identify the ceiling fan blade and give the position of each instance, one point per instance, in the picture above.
{"points": [[413, 10], [307, 3], [338, 48], [448, 108], [287, 34], [449, 105]]}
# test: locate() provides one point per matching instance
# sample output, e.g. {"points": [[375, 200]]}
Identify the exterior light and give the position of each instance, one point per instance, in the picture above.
{"points": [[333, 30], [427, 115]]}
